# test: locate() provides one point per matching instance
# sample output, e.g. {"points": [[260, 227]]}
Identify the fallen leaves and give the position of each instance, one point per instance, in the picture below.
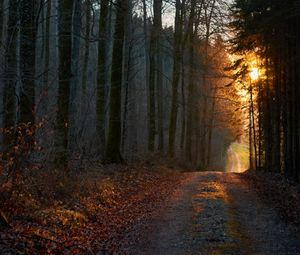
{"points": [[93, 216], [276, 190]]}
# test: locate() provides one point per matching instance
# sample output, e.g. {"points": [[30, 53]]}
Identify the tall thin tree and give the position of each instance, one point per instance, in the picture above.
{"points": [[112, 150], [101, 76], [65, 75], [10, 74], [177, 55]]}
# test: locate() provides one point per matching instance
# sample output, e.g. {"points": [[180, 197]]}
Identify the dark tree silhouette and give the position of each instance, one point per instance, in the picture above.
{"points": [[112, 152], [65, 75]]}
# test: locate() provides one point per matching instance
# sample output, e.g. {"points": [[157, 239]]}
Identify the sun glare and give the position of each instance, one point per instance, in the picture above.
{"points": [[254, 74]]}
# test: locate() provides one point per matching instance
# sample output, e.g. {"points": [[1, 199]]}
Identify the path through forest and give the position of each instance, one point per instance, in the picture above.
{"points": [[216, 213], [235, 164], [237, 158]]}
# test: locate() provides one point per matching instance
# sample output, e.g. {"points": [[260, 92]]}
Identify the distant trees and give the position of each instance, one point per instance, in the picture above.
{"points": [[269, 30]]}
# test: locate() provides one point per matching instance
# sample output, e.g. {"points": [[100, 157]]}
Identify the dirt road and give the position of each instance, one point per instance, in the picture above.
{"points": [[237, 158], [235, 162], [215, 213]]}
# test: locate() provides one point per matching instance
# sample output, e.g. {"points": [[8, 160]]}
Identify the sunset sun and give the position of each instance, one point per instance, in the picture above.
{"points": [[254, 74]]}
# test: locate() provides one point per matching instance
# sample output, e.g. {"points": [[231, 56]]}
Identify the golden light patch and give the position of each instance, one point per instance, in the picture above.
{"points": [[254, 74]]}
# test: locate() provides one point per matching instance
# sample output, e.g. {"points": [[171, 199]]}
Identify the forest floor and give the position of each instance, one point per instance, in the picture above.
{"points": [[153, 210]]}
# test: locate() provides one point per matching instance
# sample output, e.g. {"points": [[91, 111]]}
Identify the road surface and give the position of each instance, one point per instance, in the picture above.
{"points": [[215, 213], [235, 165]]}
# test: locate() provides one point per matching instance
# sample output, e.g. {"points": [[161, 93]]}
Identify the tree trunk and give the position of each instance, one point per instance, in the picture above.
{"points": [[47, 53], [1, 72], [112, 152], [191, 86], [297, 96], [64, 75], [152, 103], [252, 114], [1, 18], [157, 24], [10, 76], [183, 114], [277, 131], [26, 107], [177, 55], [88, 10], [101, 77], [260, 137], [211, 127], [203, 91], [268, 131], [127, 74], [76, 97], [86, 49], [150, 97], [250, 139]]}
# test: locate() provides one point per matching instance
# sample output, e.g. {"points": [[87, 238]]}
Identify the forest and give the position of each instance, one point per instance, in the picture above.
{"points": [[113, 112], [138, 94]]}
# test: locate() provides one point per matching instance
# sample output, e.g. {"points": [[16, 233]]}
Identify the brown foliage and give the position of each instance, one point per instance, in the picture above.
{"points": [[82, 213]]}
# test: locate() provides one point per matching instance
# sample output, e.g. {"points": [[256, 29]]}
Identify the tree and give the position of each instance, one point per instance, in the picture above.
{"points": [[28, 33], [112, 150], [2, 16], [65, 75], [47, 44], [1, 63], [10, 75], [157, 30], [77, 95], [208, 11], [101, 76], [275, 42], [177, 60], [27, 60], [191, 85]]}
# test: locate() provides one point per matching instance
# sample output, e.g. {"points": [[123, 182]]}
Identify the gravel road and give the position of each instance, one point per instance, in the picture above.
{"points": [[215, 213]]}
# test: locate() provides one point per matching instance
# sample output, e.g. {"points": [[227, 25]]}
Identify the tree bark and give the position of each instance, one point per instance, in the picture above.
{"points": [[157, 23], [88, 17], [10, 76], [252, 114], [191, 86], [153, 78], [101, 77], [177, 56], [211, 127], [112, 152], [65, 75], [47, 44]]}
